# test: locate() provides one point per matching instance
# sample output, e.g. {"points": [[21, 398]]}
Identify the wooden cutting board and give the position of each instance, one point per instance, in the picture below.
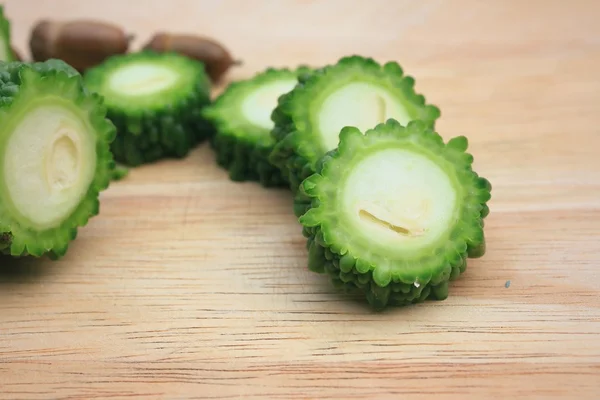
{"points": [[189, 285]]}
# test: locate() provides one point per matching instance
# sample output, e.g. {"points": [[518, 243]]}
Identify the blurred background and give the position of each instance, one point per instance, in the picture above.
{"points": [[465, 54], [427, 36]]}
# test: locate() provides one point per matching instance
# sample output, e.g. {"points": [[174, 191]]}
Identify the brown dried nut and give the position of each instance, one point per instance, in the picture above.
{"points": [[215, 57], [81, 43]]}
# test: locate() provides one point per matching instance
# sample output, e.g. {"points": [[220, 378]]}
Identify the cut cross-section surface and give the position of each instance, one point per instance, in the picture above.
{"points": [[259, 104], [155, 100], [356, 91], [143, 79], [242, 117], [49, 162], [362, 105], [399, 199], [395, 212], [55, 157]]}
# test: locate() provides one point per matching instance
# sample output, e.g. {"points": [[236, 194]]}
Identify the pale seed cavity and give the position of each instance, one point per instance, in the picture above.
{"points": [[257, 106], [398, 199], [154, 81], [142, 79], [365, 215], [406, 225], [358, 104], [63, 159]]}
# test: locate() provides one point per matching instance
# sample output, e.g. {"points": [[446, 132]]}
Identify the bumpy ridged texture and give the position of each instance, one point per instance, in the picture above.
{"points": [[173, 129], [387, 279], [23, 82], [119, 172], [297, 149], [246, 160], [5, 37], [240, 146]]}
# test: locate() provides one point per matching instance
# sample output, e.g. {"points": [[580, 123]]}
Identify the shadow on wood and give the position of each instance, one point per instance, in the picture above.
{"points": [[22, 270]]}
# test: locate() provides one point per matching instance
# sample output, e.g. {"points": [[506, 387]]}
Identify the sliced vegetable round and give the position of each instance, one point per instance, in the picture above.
{"points": [[155, 100], [55, 156], [356, 91], [395, 212], [242, 118]]}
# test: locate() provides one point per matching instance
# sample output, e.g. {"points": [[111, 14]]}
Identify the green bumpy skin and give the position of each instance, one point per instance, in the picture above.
{"points": [[356, 91], [395, 213], [6, 52], [155, 100], [55, 157], [241, 116], [119, 172]]}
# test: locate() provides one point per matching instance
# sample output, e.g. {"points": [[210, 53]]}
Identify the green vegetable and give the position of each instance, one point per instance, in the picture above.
{"points": [[242, 117], [119, 172], [6, 52], [155, 100], [356, 91], [395, 213], [55, 156]]}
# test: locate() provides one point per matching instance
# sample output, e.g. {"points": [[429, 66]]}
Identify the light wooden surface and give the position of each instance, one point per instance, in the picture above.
{"points": [[191, 286]]}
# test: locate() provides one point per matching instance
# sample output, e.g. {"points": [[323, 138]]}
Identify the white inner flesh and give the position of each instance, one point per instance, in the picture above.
{"points": [[142, 79], [257, 106], [361, 105], [49, 164], [399, 198]]}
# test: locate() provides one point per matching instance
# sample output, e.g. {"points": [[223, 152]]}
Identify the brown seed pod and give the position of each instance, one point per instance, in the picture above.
{"points": [[215, 57], [82, 43]]}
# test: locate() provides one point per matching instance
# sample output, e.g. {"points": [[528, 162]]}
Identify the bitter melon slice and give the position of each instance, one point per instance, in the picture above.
{"points": [[55, 157], [395, 212], [119, 172], [356, 91], [6, 51], [155, 100], [242, 119]]}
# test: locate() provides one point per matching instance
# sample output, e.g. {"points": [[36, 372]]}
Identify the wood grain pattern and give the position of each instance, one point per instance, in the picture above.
{"points": [[191, 286]]}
